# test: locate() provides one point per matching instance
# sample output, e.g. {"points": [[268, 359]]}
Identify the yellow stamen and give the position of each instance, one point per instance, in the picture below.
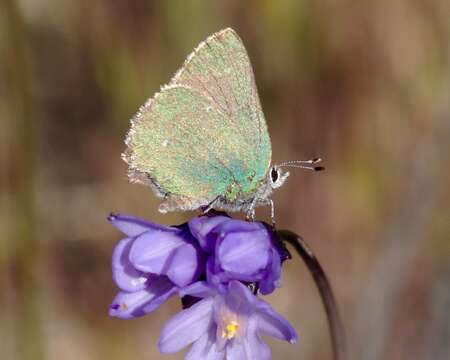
{"points": [[230, 330]]}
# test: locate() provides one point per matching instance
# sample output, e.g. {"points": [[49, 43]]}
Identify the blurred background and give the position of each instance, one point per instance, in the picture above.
{"points": [[364, 84]]}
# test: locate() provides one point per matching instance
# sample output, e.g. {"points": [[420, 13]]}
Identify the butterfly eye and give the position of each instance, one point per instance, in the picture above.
{"points": [[274, 175]]}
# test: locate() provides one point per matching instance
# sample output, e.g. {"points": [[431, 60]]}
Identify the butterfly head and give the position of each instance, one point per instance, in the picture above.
{"points": [[277, 176]]}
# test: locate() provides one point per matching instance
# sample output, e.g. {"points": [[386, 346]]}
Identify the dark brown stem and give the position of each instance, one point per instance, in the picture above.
{"points": [[334, 320]]}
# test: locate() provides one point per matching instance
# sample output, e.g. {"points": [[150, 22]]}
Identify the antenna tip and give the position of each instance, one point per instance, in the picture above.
{"points": [[316, 160], [319, 168]]}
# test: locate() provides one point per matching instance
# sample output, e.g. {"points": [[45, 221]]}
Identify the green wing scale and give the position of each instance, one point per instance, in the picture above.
{"points": [[204, 135]]}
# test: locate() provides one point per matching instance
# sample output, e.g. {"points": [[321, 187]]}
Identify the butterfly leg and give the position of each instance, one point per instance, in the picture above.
{"points": [[272, 212], [250, 214], [210, 206], [251, 211]]}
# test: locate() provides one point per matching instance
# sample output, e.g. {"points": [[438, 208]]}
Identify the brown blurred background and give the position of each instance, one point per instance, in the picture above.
{"points": [[363, 84]]}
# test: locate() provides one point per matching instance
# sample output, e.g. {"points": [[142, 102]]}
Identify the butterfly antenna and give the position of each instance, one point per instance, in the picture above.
{"points": [[304, 164]]}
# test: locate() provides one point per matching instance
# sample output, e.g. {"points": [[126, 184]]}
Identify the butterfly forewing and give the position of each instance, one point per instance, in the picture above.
{"points": [[219, 68]]}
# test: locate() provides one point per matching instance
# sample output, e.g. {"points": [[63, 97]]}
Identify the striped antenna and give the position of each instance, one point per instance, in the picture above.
{"points": [[303, 164]]}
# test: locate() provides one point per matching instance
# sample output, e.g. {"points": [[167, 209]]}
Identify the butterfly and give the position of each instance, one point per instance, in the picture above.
{"points": [[202, 141]]}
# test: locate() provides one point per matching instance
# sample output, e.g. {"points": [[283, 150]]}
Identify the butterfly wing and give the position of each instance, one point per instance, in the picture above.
{"points": [[205, 131], [219, 68], [170, 140]]}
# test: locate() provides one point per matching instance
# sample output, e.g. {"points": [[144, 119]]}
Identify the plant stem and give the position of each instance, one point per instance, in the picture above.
{"points": [[336, 327]]}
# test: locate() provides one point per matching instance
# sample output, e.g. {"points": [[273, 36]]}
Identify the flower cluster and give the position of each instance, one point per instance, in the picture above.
{"points": [[217, 265]]}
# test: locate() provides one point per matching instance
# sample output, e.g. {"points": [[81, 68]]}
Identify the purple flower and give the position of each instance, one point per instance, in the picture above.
{"points": [[210, 262], [151, 264], [239, 250], [228, 324]]}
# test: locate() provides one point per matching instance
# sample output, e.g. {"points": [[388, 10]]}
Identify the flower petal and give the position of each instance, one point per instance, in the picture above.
{"points": [[249, 349], [184, 265], [205, 348], [160, 299], [200, 289], [215, 276], [271, 280], [236, 351], [255, 347], [127, 305], [186, 327], [245, 253], [125, 275], [201, 227], [134, 226], [235, 225], [151, 251], [273, 324], [240, 299]]}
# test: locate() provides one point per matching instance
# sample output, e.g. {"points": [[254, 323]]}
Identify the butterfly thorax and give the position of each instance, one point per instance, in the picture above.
{"points": [[245, 189], [242, 197]]}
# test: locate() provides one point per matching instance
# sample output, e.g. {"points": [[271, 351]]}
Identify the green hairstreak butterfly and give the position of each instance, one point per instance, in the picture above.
{"points": [[202, 141]]}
